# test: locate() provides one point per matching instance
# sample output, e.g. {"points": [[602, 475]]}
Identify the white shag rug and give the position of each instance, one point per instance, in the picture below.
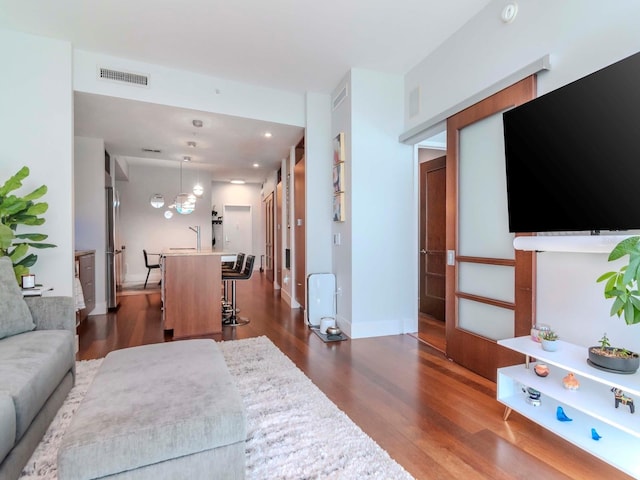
{"points": [[294, 431]]}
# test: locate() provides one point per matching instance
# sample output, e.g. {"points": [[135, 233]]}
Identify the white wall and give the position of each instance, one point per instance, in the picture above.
{"points": [[90, 210], [318, 187], [376, 263], [224, 193], [581, 36], [36, 130], [145, 227], [184, 89]]}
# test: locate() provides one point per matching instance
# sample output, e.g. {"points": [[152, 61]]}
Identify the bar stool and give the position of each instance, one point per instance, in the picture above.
{"points": [[236, 268], [232, 318]]}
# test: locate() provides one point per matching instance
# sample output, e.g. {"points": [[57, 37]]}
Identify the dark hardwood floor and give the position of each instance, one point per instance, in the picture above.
{"points": [[435, 418]]}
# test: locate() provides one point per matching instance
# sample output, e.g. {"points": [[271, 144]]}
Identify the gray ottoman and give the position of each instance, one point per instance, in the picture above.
{"points": [[163, 411]]}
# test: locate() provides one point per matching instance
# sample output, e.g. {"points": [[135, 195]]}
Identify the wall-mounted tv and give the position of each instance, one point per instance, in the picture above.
{"points": [[573, 155]]}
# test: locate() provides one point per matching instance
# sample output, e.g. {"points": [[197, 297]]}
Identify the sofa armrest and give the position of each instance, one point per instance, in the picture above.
{"points": [[53, 313]]}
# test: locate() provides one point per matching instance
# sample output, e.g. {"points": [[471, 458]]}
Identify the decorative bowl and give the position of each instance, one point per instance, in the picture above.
{"points": [[333, 331]]}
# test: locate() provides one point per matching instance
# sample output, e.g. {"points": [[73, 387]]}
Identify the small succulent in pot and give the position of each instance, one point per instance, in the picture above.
{"points": [[613, 359], [548, 340]]}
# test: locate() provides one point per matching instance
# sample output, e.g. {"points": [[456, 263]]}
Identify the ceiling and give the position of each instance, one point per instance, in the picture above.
{"points": [[297, 46]]}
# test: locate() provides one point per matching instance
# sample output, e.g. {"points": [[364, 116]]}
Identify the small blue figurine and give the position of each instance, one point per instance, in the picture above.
{"points": [[595, 434], [560, 415]]}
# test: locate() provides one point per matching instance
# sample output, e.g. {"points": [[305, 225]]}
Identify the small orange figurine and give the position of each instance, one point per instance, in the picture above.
{"points": [[570, 382]]}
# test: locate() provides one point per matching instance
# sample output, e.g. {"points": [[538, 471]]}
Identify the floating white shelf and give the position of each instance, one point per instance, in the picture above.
{"points": [[569, 243], [591, 406]]}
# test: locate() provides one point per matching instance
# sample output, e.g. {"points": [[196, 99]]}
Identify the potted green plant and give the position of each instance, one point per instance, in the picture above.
{"points": [[622, 285], [16, 212], [549, 340], [613, 359]]}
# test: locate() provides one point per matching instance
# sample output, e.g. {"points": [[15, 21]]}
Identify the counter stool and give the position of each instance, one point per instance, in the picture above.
{"points": [[235, 268], [232, 318]]}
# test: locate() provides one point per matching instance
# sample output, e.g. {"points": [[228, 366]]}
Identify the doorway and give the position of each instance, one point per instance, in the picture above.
{"points": [[431, 319], [237, 229]]}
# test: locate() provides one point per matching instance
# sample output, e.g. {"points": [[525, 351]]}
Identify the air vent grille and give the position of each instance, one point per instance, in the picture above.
{"points": [[151, 150], [339, 98], [123, 77]]}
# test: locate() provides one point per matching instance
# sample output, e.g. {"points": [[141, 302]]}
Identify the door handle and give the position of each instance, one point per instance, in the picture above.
{"points": [[423, 251]]}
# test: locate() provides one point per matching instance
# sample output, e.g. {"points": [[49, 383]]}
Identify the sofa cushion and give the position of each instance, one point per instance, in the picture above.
{"points": [[7, 425], [31, 367], [15, 317]]}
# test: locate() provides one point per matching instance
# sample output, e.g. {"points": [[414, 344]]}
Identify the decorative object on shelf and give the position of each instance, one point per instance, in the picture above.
{"points": [[623, 284], [595, 435], [549, 341], [28, 281], [621, 398], [537, 329], [533, 396], [541, 370], [561, 416], [570, 382], [613, 359], [18, 211]]}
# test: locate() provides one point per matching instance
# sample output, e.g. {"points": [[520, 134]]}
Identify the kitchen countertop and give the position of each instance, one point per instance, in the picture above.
{"points": [[174, 252]]}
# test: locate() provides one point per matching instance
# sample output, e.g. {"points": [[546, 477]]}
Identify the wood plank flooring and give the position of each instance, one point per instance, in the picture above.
{"points": [[435, 418]]}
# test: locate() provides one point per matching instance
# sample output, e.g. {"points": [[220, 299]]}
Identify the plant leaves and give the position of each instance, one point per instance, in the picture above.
{"points": [[36, 237], [28, 261], [6, 237], [42, 245], [604, 276], [625, 247], [37, 208], [19, 252], [14, 182], [20, 270], [37, 193]]}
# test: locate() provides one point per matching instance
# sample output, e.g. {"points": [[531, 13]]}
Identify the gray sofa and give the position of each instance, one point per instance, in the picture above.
{"points": [[37, 368]]}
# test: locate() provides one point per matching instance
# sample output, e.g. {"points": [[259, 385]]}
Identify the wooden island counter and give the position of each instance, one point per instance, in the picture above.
{"points": [[191, 284]]}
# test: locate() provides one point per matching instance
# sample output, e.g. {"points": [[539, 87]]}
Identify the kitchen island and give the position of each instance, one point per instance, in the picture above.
{"points": [[191, 284]]}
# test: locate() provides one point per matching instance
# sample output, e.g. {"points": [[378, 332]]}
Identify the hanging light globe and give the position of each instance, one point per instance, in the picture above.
{"points": [[198, 190], [157, 200], [184, 205]]}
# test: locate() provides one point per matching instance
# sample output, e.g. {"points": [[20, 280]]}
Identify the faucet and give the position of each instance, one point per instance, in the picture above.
{"points": [[197, 230]]}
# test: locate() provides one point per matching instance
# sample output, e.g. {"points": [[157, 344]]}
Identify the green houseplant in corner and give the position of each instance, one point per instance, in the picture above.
{"points": [[17, 212], [622, 286]]}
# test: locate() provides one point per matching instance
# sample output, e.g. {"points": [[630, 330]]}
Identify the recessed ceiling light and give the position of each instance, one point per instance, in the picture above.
{"points": [[197, 123], [256, 165], [267, 135], [186, 158], [191, 144], [237, 182]]}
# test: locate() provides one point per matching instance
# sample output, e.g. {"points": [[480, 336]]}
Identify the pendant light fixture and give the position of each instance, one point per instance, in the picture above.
{"points": [[198, 189], [157, 200], [185, 202]]}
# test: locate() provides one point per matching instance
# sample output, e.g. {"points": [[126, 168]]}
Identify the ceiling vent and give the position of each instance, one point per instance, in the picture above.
{"points": [[339, 98], [119, 76], [151, 150]]}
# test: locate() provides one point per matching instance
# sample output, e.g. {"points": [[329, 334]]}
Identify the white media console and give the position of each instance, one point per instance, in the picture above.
{"points": [[591, 406]]}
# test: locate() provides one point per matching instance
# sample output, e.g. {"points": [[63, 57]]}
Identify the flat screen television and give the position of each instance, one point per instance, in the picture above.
{"points": [[573, 155]]}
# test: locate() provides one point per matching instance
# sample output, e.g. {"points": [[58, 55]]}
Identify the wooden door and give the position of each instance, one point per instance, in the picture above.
{"points": [[269, 236], [278, 223], [489, 287], [433, 237], [299, 224]]}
